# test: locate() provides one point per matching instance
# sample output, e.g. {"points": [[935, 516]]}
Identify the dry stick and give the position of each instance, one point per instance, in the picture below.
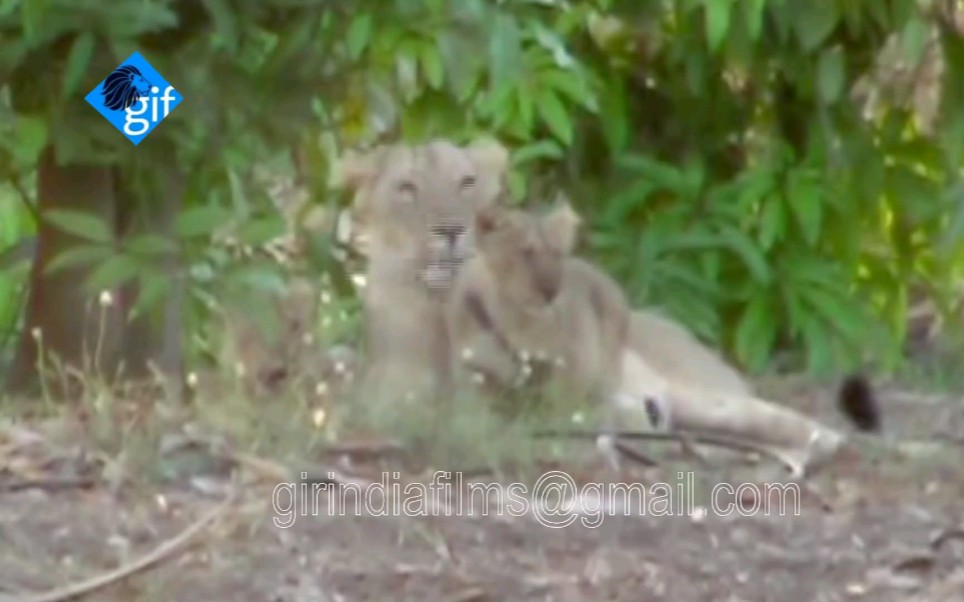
{"points": [[159, 553], [690, 438], [717, 440], [275, 470], [632, 454], [51, 484]]}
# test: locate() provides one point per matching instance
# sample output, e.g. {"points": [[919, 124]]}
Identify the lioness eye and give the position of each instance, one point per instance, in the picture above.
{"points": [[467, 182]]}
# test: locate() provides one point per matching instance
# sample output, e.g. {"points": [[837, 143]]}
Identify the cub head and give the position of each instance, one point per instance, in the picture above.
{"points": [[527, 252], [418, 201]]}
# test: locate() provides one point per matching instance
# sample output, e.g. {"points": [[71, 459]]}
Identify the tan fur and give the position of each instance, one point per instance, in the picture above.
{"points": [[798, 440], [525, 298], [540, 300], [675, 353], [415, 203], [407, 341]]}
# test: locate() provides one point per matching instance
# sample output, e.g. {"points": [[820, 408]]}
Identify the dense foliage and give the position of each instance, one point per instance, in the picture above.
{"points": [[777, 174]]}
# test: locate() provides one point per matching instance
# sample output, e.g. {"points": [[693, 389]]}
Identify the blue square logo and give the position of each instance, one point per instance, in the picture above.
{"points": [[134, 98]]}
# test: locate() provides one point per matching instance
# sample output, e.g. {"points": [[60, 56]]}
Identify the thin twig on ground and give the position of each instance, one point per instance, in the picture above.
{"points": [[160, 553]]}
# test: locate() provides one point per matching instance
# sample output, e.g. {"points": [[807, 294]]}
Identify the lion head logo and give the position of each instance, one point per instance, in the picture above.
{"points": [[124, 87]]}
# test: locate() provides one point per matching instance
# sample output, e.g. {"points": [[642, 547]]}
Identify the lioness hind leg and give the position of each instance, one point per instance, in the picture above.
{"points": [[678, 355]]}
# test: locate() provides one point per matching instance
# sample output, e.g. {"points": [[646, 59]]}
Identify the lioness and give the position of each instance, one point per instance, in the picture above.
{"points": [[416, 205], [524, 298]]}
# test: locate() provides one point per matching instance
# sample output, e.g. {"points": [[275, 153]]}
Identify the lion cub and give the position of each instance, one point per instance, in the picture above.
{"points": [[523, 297]]}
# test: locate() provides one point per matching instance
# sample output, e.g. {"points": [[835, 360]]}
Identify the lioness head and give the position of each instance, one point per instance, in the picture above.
{"points": [[417, 202], [527, 252]]}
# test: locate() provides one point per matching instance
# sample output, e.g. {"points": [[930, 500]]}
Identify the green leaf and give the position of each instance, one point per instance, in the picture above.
{"points": [[754, 187], [517, 184], [359, 35], [570, 85], [225, 23], [820, 357], [831, 74], [78, 62], [805, 197], [8, 6], [505, 49], [153, 288], [554, 114], [541, 149], [17, 253], [432, 64], [813, 21], [753, 12], [677, 273], [199, 221], [914, 37], [259, 277], [773, 222], [717, 22], [634, 196], [917, 197], [496, 103], [238, 194], [81, 224], [32, 16], [756, 332], [30, 138], [79, 256], [615, 123], [151, 244], [664, 175], [526, 104], [117, 270], [749, 252], [259, 231], [834, 308]]}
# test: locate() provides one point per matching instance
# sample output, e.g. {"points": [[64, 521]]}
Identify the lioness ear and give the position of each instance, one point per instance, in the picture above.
{"points": [[489, 156], [562, 224]]}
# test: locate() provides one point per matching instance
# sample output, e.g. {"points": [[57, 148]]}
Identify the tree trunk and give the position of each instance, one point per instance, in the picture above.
{"points": [[74, 332]]}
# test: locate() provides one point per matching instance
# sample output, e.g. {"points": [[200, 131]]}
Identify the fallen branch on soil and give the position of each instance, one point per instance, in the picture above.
{"points": [[634, 455], [52, 484], [122, 572], [365, 448], [687, 440], [684, 439]]}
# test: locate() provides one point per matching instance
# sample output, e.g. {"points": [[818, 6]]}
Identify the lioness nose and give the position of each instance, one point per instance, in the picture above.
{"points": [[450, 232]]}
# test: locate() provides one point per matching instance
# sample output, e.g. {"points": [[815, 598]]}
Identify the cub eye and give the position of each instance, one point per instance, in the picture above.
{"points": [[407, 190], [467, 182]]}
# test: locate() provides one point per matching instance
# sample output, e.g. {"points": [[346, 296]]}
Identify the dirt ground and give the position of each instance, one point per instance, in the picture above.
{"points": [[883, 522]]}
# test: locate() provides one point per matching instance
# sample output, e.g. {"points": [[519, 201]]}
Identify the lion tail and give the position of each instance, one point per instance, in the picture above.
{"points": [[858, 402]]}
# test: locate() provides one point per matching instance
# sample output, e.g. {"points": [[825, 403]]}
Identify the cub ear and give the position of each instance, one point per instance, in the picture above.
{"points": [[488, 219], [491, 161], [562, 224]]}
